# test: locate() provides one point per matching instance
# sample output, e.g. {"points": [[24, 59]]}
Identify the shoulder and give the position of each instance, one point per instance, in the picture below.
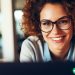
{"points": [[32, 48], [28, 48], [32, 43], [31, 40]]}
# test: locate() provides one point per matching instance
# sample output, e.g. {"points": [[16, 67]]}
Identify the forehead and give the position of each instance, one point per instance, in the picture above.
{"points": [[52, 11]]}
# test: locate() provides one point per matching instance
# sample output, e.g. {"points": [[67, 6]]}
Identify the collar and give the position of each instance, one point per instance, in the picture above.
{"points": [[47, 56]]}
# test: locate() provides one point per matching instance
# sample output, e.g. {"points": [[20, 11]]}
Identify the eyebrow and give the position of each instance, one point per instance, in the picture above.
{"points": [[43, 20]]}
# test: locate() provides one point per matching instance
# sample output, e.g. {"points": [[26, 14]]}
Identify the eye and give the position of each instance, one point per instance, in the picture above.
{"points": [[45, 23], [66, 21]]}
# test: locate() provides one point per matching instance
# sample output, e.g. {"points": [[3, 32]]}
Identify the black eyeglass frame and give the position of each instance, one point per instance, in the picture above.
{"points": [[56, 23]]}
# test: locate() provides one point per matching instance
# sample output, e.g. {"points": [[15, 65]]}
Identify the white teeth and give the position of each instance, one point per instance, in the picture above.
{"points": [[57, 38]]}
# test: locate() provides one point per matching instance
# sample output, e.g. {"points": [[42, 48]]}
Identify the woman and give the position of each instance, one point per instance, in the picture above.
{"points": [[49, 25]]}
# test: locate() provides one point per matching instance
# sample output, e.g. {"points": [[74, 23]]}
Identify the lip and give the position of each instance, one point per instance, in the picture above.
{"points": [[58, 39]]}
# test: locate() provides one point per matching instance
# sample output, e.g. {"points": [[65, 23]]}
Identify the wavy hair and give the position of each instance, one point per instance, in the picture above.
{"points": [[31, 14]]}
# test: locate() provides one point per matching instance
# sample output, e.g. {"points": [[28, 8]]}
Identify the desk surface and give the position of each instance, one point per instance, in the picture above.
{"points": [[50, 68]]}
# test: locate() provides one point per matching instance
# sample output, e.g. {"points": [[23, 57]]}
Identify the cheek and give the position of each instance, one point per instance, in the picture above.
{"points": [[69, 33], [45, 36]]}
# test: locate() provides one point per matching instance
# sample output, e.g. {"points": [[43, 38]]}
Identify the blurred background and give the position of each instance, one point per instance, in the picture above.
{"points": [[11, 35]]}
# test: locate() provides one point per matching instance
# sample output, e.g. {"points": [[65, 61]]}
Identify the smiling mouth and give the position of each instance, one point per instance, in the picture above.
{"points": [[57, 39]]}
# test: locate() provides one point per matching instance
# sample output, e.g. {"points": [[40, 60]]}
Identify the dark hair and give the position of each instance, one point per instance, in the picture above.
{"points": [[31, 11]]}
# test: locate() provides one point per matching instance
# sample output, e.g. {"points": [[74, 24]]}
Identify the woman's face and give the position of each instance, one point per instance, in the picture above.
{"points": [[57, 39]]}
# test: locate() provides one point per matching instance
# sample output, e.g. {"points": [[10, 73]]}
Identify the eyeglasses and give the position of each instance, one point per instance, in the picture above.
{"points": [[62, 23]]}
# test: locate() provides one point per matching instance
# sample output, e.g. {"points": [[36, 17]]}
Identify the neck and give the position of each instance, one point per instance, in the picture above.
{"points": [[56, 58]]}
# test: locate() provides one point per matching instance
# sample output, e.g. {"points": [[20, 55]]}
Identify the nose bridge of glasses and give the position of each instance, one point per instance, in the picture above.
{"points": [[54, 25]]}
